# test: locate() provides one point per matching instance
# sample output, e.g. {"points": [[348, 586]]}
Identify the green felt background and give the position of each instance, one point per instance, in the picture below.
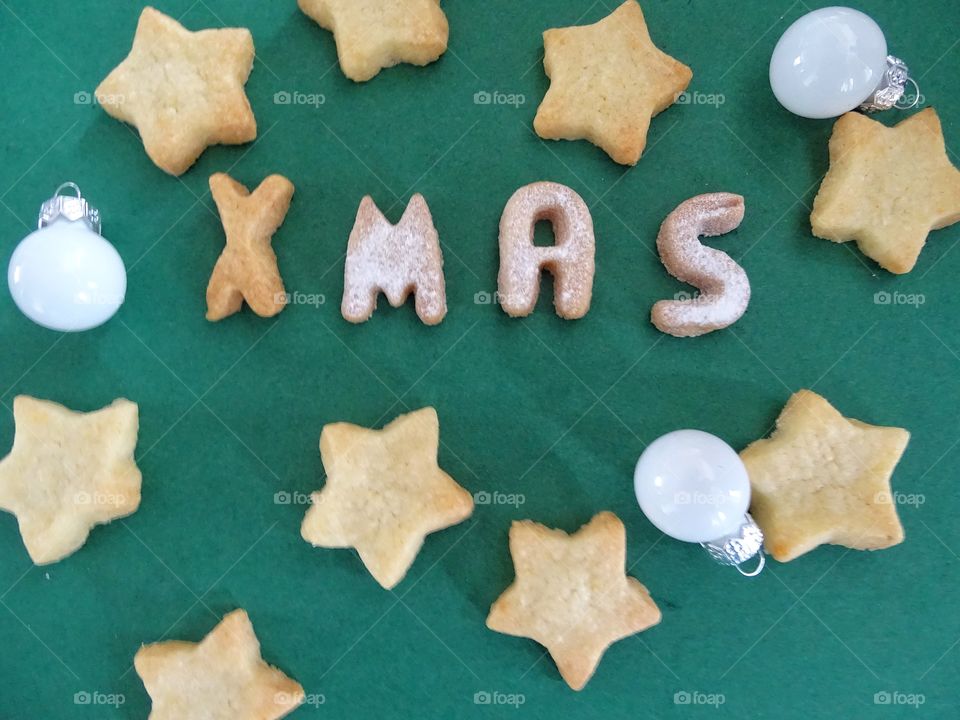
{"points": [[556, 411]]}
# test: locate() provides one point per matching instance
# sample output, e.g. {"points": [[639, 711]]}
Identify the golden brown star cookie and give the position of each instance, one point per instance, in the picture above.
{"points": [[571, 593], [887, 188], [823, 478], [376, 34], [607, 80], [222, 677], [247, 268], [182, 90], [67, 472], [384, 493]]}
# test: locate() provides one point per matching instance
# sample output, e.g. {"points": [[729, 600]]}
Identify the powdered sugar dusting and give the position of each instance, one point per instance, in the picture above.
{"points": [[723, 284], [396, 260], [570, 259]]}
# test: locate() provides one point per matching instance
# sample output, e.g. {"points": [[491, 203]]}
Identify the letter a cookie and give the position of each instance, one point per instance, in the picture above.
{"points": [[571, 259], [396, 259]]}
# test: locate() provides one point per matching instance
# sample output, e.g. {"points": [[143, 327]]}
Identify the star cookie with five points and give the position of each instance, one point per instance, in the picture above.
{"points": [[887, 188], [67, 472], [571, 594], [182, 90], [384, 493], [376, 34], [607, 80], [823, 478], [247, 268], [223, 677]]}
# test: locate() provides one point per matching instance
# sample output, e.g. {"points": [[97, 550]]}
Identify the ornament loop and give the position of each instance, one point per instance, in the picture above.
{"points": [[71, 207], [891, 87], [739, 546], [916, 96], [761, 561]]}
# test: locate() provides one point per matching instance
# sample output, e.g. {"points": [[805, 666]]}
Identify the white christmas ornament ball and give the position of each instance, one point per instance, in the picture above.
{"points": [[692, 486], [828, 62]]}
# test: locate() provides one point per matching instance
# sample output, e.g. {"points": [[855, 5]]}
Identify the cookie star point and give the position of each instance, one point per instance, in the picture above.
{"points": [[607, 81], [223, 677], [375, 34], [68, 472], [887, 188], [821, 478], [571, 594], [182, 90], [384, 493], [246, 270]]}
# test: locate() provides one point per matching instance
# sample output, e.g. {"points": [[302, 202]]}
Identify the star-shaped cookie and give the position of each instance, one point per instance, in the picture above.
{"points": [[571, 594], [823, 478], [887, 188], [222, 677], [376, 34], [182, 90], [247, 268], [607, 80], [384, 493], [67, 472]]}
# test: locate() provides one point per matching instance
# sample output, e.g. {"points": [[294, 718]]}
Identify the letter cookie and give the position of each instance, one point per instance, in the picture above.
{"points": [[570, 260], [724, 287], [396, 260], [247, 268]]}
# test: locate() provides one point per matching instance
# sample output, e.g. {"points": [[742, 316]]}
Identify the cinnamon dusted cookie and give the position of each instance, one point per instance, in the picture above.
{"points": [[724, 286], [570, 259], [396, 260]]}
